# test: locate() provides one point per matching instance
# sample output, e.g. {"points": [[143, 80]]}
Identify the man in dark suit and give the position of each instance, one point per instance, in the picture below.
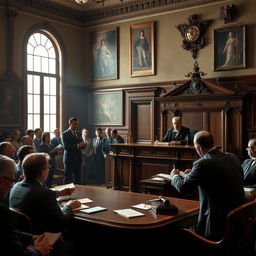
{"points": [[73, 143], [37, 201], [14, 242], [106, 141], [116, 138], [249, 165], [178, 135], [219, 177]]}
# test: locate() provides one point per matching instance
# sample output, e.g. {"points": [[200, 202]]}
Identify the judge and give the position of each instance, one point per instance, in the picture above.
{"points": [[178, 135], [249, 165]]}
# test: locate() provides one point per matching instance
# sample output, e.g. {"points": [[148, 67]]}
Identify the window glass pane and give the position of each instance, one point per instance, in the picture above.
{"points": [[45, 66], [46, 104], [37, 38], [52, 66], [41, 51], [30, 62], [36, 121], [30, 103], [36, 84], [48, 45], [37, 104], [32, 41], [30, 49], [53, 86], [46, 85], [30, 121], [46, 123], [37, 63], [43, 39], [52, 123], [52, 53], [30, 84], [53, 104]]}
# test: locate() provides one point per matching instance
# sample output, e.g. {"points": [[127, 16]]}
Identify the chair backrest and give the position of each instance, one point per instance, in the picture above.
{"points": [[240, 232], [22, 221]]}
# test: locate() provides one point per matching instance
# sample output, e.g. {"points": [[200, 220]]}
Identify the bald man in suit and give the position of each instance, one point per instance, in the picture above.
{"points": [[249, 165]]}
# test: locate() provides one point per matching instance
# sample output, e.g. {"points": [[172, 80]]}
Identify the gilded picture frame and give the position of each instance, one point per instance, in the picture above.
{"points": [[104, 47], [230, 48], [106, 108], [142, 49]]}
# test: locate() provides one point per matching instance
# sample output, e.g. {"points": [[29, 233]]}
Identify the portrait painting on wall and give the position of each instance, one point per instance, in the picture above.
{"points": [[229, 48], [106, 108], [104, 54], [142, 50], [10, 110]]}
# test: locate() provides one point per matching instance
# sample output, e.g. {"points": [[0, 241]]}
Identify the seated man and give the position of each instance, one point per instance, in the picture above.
{"points": [[11, 238], [219, 177], [38, 202], [116, 138], [6, 149], [249, 165], [178, 135]]}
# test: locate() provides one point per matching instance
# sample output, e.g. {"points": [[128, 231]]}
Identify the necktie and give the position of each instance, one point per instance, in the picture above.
{"points": [[247, 171]]}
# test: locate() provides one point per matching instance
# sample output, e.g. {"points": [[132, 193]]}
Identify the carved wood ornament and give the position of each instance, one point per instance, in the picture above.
{"points": [[193, 34]]}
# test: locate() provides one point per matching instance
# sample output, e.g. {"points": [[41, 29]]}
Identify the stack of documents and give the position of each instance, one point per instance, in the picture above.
{"points": [[164, 176], [129, 213]]}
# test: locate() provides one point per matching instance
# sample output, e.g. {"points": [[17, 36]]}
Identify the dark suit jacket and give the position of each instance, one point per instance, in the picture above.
{"points": [[219, 177], [98, 150], [249, 173], [118, 139], [105, 145], [72, 153], [11, 238], [183, 136], [40, 204]]}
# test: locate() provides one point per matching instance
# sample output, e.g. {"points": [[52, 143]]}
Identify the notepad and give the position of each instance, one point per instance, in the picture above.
{"points": [[94, 209], [129, 213], [84, 200], [142, 206]]}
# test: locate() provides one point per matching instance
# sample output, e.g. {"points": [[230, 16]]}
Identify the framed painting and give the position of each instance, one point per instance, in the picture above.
{"points": [[229, 48], [107, 108], [10, 105], [104, 54], [142, 50]]}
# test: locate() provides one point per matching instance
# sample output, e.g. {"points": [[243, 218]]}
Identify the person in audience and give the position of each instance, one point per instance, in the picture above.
{"points": [[46, 147], [178, 135], [30, 133], [37, 201], [56, 140], [21, 153], [11, 239], [106, 141], [6, 136], [116, 138], [73, 143], [98, 158], [37, 139], [26, 140], [6, 149], [249, 165], [87, 160], [219, 177], [16, 141]]}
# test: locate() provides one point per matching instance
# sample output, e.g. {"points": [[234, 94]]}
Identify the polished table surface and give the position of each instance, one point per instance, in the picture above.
{"points": [[116, 200]]}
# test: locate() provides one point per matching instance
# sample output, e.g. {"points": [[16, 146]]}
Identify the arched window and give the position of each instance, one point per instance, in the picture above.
{"points": [[43, 82]]}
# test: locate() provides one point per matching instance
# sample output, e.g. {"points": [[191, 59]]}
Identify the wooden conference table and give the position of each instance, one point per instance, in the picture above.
{"points": [[116, 200]]}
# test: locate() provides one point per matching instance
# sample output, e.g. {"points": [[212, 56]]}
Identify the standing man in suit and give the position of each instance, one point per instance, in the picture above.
{"points": [[37, 139], [73, 143], [249, 165], [219, 177], [178, 135]]}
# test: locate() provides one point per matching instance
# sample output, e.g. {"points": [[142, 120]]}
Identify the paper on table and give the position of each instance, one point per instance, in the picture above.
{"points": [[142, 206], [61, 187], [84, 200], [94, 209], [168, 176], [129, 213], [51, 238], [249, 189], [81, 207], [64, 198]]}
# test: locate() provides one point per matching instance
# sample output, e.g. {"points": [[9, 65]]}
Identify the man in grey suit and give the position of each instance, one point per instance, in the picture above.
{"points": [[219, 177], [73, 143], [249, 165]]}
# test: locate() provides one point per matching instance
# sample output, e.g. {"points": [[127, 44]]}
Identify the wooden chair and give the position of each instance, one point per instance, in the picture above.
{"points": [[22, 221], [239, 235]]}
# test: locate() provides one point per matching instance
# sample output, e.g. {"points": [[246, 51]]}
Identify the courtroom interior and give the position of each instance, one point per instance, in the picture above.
{"points": [[129, 123]]}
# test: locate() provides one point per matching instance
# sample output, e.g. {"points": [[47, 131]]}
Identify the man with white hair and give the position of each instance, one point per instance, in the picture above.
{"points": [[10, 238], [178, 135]]}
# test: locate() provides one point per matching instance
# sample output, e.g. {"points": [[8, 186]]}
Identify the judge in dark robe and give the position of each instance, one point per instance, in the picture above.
{"points": [[178, 135], [249, 165]]}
